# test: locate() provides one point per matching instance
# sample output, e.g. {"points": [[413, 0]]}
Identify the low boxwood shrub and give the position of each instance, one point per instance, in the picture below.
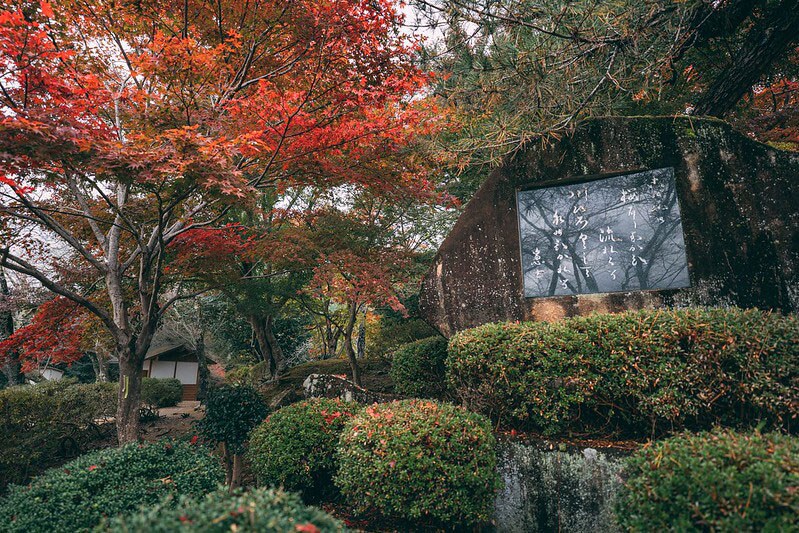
{"points": [[42, 425], [418, 369], [715, 481], [232, 411], [296, 446], [161, 392], [429, 462], [639, 373], [259, 510], [77, 495]]}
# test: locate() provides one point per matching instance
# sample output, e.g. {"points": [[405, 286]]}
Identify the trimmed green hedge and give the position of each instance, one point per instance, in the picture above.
{"points": [[77, 495], [232, 411], [259, 510], [638, 373], [717, 481], [421, 461], [43, 424], [296, 446], [161, 392], [418, 369]]}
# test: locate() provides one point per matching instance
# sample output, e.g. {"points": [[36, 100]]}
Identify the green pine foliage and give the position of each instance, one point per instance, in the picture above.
{"points": [[78, 495], [418, 369], [716, 481], [639, 373], [296, 446], [259, 510], [420, 461]]}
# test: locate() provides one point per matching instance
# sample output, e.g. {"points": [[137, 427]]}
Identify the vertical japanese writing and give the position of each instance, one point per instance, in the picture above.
{"points": [[615, 234]]}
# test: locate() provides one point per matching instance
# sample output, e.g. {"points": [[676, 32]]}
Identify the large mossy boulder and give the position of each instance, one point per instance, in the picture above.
{"points": [[739, 203]]}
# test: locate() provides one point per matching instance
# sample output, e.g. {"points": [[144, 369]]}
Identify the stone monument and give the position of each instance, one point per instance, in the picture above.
{"points": [[627, 213]]}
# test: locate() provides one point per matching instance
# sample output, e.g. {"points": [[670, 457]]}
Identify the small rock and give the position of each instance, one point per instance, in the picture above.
{"points": [[590, 454]]}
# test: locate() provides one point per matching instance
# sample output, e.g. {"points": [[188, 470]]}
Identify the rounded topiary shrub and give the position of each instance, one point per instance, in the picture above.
{"points": [[716, 481], [161, 392], [418, 369], [232, 411], [636, 373], [420, 460], [77, 495], [296, 446], [259, 510]]}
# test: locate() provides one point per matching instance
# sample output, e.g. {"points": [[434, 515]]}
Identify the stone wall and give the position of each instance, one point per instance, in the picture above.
{"points": [[544, 490], [740, 215]]}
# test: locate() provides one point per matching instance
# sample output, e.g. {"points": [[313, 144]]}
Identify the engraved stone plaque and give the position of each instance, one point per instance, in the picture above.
{"points": [[616, 234]]}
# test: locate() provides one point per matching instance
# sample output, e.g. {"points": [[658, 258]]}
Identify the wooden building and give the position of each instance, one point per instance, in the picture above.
{"points": [[170, 360]]}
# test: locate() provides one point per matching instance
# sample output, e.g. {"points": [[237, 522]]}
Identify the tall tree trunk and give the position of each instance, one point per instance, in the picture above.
{"points": [[361, 343], [129, 398], [202, 374], [13, 371], [268, 344], [766, 41], [278, 357], [351, 319], [332, 334], [11, 367], [259, 331]]}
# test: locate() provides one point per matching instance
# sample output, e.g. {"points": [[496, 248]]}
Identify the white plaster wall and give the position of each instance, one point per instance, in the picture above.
{"points": [[187, 373]]}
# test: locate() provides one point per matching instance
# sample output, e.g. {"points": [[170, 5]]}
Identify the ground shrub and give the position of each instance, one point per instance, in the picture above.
{"points": [[43, 424], [259, 510], [396, 328], [161, 392], [715, 481], [77, 495], [420, 460], [296, 446], [640, 373], [253, 375], [418, 369], [232, 411]]}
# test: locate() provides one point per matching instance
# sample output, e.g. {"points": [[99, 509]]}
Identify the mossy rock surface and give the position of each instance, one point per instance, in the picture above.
{"points": [[739, 202]]}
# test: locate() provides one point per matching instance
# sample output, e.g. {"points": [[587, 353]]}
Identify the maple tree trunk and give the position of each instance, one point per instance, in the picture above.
{"points": [[268, 344], [129, 398], [353, 316], [331, 336], [203, 373], [361, 343], [278, 357], [259, 331], [764, 43], [11, 367]]}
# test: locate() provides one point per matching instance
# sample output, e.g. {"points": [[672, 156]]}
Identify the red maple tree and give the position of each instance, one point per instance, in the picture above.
{"points": [[128, 124], [54, 336]]}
